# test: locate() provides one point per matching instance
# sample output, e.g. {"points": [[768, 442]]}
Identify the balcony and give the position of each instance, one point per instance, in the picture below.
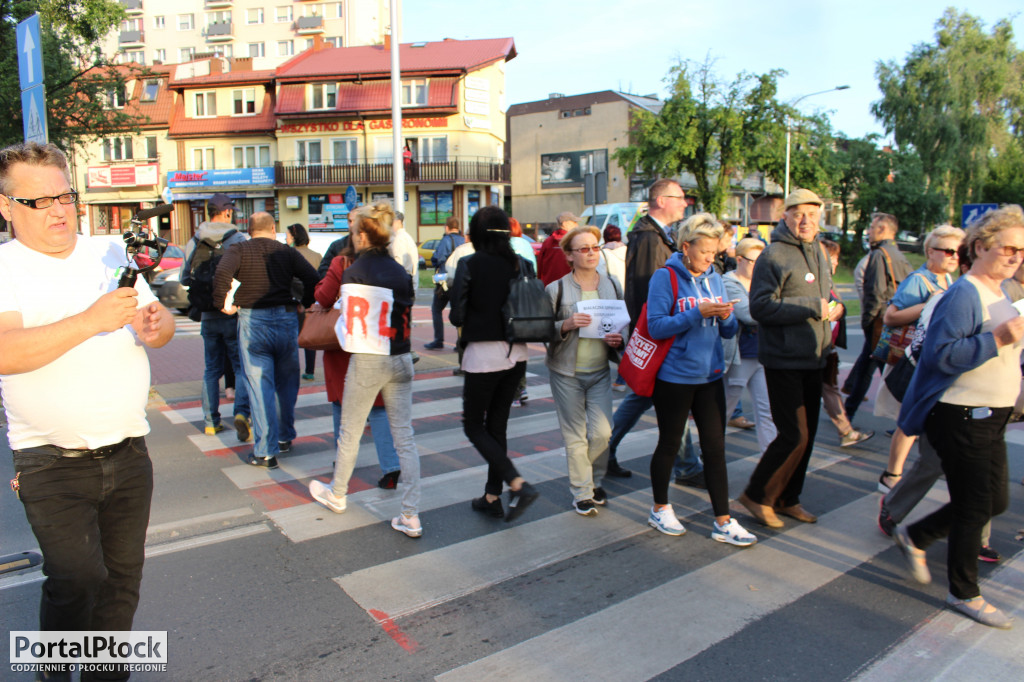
{"points": [[219, 32], [306, 26], [463, 170], [132, 7], [217, 4], [130, 39]]}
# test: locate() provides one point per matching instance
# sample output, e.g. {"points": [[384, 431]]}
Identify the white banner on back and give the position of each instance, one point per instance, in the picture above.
{"points": [[365, 322]]}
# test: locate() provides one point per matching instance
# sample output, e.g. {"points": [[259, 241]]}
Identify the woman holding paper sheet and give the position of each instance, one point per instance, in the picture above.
{"points": [[581, 384], [380, 362], [690, 378]]}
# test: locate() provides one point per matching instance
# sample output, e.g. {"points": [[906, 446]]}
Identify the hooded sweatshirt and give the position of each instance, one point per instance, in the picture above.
{"points": [[215, 232], [790, 279], [696, 355]]}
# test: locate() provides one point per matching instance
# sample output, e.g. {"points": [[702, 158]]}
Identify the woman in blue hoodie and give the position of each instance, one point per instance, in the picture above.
{"points": [[691, 376]]}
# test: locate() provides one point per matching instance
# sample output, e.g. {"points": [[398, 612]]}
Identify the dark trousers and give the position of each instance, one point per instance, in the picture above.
{"points": [[673, 404], [486, 402], [436, 310], [858, 381], [90, 518], [973, 454], [795, 399]]}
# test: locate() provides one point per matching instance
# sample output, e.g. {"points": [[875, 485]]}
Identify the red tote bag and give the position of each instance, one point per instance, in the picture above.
{"points": [[643, 355]]}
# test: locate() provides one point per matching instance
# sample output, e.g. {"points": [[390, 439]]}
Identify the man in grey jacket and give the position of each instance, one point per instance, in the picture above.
{"points": [[789, 294], [219, 331]]}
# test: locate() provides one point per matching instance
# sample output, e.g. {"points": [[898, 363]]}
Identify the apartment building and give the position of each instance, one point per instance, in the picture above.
{"points": [[269, 31]]}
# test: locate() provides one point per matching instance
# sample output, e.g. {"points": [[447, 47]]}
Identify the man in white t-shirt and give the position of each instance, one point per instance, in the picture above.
{"points": [[403, 248], [75, 382]]}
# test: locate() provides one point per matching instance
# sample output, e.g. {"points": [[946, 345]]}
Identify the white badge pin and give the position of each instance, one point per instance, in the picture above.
{"points": [[809, 277]]}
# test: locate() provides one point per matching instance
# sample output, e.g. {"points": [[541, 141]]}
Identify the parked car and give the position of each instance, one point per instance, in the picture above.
{"points": [[172, 293], [622, 215], [427, 251], [908, 241]]}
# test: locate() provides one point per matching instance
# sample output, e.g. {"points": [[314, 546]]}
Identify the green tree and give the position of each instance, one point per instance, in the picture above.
{"points": [[79, 79], [954, 102], [855, 161], [894, 182], [1005, 181]]}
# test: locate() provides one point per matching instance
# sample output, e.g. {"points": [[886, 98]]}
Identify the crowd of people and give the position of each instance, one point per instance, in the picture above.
{"points": [[735, 315]]}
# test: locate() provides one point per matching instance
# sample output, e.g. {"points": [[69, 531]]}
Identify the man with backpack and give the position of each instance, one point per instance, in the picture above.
{"points": [[452, 238], [219, 331]]}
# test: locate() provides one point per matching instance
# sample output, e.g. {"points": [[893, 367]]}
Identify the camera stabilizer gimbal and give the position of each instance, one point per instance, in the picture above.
{"points": [[137, 239]]}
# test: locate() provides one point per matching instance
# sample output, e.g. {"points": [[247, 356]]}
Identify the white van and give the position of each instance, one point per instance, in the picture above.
{"points": [[623, 215]]}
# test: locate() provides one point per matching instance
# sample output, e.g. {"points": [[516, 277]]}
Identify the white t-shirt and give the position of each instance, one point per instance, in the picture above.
{"points": [[404, 250], [96, 393]]}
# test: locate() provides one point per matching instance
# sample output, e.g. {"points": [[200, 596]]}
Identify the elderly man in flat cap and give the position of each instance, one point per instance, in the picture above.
{"points": [[789, 294]]}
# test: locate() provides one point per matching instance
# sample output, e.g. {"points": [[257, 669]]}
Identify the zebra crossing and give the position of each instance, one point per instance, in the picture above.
{"points": [[444, 588]]}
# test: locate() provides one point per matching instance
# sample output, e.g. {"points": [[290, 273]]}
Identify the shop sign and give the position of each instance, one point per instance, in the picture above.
{"points": [[354, 126], [122, 176], [227, 177]]}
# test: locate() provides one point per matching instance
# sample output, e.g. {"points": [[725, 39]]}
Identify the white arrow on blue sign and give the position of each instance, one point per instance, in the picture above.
{"points": [[30, 53], [33, 111], [971, 212]]}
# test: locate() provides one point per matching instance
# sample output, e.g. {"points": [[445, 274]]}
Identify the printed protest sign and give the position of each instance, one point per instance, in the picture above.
{"points": [[606, 317]]}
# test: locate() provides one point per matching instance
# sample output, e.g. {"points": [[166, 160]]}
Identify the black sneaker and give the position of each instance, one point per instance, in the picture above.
{"points": [[615, 470], [989, 554], [265, 462], [600, 497], [886, 523], [389, 481], [585, 507], [434, 345], [523, 397], [494, 509], [694, 481], [284, 445], [519, 500]]}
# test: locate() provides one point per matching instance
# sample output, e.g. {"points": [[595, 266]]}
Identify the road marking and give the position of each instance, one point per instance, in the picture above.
{"points": [[228, 515]]}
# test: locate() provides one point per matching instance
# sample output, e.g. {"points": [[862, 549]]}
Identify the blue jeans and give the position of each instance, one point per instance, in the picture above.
{"points": [[380, 429], [437, 307], [90, 518], [220, 338], [270, 355], [630, 410]]}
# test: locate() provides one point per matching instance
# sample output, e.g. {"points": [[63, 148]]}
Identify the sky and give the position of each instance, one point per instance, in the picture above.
{"points": [[574, 47]]}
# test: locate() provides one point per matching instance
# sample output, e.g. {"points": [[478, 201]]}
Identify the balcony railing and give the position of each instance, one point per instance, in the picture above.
{"points": [[307, 25], [219, 31], [132, 7], [217, 4], [294, 174], [128, 38]]}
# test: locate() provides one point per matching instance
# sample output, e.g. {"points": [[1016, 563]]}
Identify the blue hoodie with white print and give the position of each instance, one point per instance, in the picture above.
{"points": [[696, 355]]}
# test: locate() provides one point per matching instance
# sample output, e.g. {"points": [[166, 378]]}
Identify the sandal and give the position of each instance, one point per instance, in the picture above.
{"points": [[981, 611], [884, 487]]}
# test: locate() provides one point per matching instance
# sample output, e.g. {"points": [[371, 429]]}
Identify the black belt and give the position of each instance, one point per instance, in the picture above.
{"points": [[95, 453]]}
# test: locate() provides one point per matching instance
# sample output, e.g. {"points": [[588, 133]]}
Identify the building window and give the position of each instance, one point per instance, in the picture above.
{"points": [[308, 152], [186, 54], [118, 97], [117, 149], [345, 151], [312, 10], [160, 55], [206, 104], [285, 48], [338, 9], [254, 15], [309, 43], [429, 148], [414, 92], [202, 158], [283, 13], [132, 24], [149, 90], [323, 96], [383, 149], [159, 22], [151, 147], [221, 17], [336, 42], [133, 56], [435, 206], [257, 50], [186, 22], [252, 156], [245, 102], [227, 51]]}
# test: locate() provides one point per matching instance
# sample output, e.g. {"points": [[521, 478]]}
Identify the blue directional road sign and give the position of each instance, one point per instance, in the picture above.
{"points": [[33, 115], [30, 53], [971, 212]]}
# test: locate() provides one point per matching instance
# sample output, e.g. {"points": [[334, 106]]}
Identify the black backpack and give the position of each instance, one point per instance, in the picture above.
{"points": [[204, 262], [528, 313]]}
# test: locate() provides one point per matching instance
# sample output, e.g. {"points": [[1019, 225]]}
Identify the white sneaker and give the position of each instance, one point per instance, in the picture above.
{"points": [[410, 525], [733, 533], [323, 494], [665, 521]]}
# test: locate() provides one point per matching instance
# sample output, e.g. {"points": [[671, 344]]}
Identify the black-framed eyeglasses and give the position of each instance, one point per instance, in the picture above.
{"points": [[948, 252], [46, 202], [587, 249]]}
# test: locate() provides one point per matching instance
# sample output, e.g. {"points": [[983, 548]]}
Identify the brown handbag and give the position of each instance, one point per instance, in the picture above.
{"points": [[317, 331]]}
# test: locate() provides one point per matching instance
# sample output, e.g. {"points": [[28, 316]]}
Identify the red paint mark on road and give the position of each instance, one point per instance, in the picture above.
{"points": [[394, 632], [282, 495]]}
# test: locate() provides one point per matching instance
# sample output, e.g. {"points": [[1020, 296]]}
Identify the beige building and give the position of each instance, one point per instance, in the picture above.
{"points": [[269, 31], [555, 142]]}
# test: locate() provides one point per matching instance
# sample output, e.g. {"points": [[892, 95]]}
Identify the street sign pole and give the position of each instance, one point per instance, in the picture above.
{"points": [[30, 74]]}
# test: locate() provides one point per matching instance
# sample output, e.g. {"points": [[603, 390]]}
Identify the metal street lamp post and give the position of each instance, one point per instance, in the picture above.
{"points": [[789, 128]]}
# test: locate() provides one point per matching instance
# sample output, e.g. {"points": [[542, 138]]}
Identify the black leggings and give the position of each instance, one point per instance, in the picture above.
{"points": [[673, 404]]}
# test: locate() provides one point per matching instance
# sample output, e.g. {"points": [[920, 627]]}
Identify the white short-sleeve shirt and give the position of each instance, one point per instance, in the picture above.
{"points": [[96, 393]]}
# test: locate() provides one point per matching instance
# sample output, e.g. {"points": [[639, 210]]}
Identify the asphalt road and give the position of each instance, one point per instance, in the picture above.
{"points": [[254, 581]]}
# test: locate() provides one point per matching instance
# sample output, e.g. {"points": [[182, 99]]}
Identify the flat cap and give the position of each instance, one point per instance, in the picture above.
{"points": [[802, 196]]}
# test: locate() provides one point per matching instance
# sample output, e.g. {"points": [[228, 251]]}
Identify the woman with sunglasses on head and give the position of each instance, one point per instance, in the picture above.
{"points": [[690, 378], [934, 277], [581, 383], [960, 398]]}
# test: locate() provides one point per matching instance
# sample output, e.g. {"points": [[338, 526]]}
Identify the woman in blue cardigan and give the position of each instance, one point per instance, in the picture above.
{"points": [[690, 378]]}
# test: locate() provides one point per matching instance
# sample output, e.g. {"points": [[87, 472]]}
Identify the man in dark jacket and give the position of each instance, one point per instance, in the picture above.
{"points": [[452, 238], [885, 269], [789, 294]]}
